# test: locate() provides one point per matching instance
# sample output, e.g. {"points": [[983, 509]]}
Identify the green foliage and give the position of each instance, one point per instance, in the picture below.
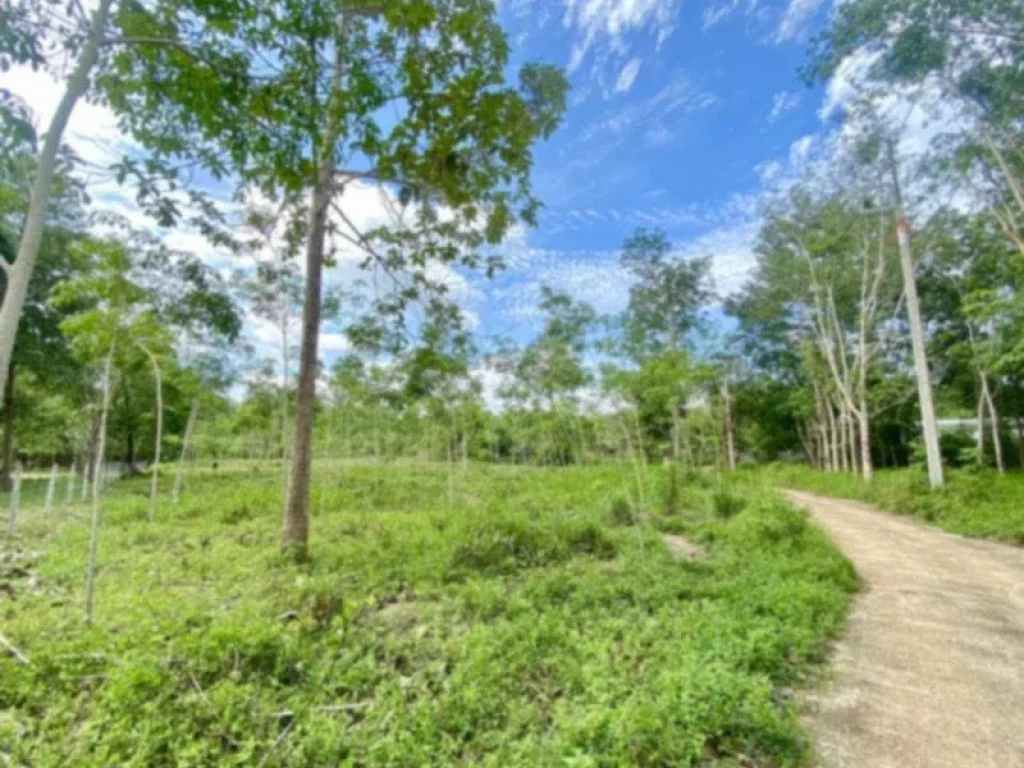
{"points": [[620, 512], [513, 628], [727, 504], [974, 502]]}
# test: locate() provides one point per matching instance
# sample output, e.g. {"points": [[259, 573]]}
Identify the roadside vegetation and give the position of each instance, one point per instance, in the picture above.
{"points": [[979, 503], [527, 622]]}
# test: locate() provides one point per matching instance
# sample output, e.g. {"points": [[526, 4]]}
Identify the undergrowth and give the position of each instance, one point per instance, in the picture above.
{"points": [[529, 622], [980, 503]]}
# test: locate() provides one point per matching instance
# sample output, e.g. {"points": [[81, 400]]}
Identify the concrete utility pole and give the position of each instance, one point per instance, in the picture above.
{"points": [[924, 385]]}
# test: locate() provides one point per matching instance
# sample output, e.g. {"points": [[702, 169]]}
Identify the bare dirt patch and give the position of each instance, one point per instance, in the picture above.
{"points": [[930, 673], [681, 547]]}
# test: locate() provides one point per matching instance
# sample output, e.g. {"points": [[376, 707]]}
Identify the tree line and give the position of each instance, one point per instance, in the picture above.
{"points": [[884, 290]]}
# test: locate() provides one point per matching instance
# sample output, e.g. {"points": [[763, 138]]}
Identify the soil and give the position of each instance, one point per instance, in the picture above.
{"points": [[930, 671]]}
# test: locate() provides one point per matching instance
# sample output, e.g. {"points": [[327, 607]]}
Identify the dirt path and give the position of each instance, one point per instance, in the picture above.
{"points": [[930, 673]]}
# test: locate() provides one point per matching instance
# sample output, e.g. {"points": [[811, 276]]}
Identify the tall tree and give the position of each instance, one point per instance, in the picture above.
{"points": [[303, 120], [665, 301]]}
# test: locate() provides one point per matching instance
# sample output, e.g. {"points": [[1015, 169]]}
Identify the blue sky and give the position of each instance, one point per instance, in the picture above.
{"points": [[683, 116]]}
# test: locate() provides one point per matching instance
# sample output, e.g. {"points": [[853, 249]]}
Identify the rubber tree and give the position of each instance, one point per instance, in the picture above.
{"points": [[299, 114], [666, 299], [41, 355]]}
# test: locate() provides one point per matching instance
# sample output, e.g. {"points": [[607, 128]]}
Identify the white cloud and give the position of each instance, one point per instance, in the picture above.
{"points": [[606, 23], [628, 76], [795, 18], [800, 150], [717, 12], [783, 102], [662, 116]]}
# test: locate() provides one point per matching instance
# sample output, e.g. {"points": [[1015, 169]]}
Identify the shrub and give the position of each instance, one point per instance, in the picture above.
{"points": [[620, 512], [726, 504]]}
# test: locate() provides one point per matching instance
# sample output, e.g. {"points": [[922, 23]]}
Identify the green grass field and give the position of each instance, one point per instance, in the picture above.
{"points": [[503, 617], [978, 503]]}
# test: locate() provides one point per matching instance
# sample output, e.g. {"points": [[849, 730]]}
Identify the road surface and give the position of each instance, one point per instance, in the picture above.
{"points": [[930, 672]]}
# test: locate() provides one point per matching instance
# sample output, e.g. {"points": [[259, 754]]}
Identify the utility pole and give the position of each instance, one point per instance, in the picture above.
{"points": [[924, 386]]}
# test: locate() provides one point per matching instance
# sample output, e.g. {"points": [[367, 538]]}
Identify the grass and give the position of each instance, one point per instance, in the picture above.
{"points": [[532, 622], [979, 503]]}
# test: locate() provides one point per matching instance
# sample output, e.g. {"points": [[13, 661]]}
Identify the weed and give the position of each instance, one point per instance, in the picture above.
{"points": [[521, 625]]}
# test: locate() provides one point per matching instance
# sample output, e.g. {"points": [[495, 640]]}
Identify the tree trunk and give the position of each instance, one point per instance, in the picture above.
{"points": [[1020, 441], [997, 447], [94, 530], [129, 458], [866, 467], [15, 501], [730, 446], [844, 426], [9, 418], [833, 433], [285, 357], [20, 272], [295, 528], [190, 426], [929, 426], [69, 494], [155, 479], [51, 486], [979, 436]]}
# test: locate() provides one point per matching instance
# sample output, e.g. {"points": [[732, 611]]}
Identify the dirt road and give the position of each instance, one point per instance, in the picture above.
{"points": [[930, 673]]}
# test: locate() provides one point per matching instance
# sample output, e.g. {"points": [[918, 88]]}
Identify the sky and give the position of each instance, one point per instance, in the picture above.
{"points": [[683, 116]]}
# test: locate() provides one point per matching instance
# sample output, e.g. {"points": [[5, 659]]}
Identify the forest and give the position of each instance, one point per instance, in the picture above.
{"points": [[442, 545]]}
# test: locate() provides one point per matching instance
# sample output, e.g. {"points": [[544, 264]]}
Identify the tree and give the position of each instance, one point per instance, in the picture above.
{"points": [[666, 296], [40, 350], [300, 119], [824, 282], [665, 301]]}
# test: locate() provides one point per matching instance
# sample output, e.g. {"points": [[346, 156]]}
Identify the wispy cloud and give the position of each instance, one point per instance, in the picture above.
{"points": [[795, 18], [722, 10], [606, 24], [783, 102], [661, 116], [628, 76]]}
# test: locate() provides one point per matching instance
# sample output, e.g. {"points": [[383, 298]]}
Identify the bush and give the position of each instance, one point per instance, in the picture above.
{"points": [[620, 512], [726, 504]]}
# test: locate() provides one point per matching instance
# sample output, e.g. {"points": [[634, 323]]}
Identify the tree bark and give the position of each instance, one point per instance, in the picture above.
{"points": [[69, 494], [833, 434], [51, 486], [1020, 441], [285, 357], [929, 426], [20, 272], [15, 501], [295, 528], [864, 418], [94, 530], [730, 446], [9, 419], [154, 481], [997, 447], [979, 436]]}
